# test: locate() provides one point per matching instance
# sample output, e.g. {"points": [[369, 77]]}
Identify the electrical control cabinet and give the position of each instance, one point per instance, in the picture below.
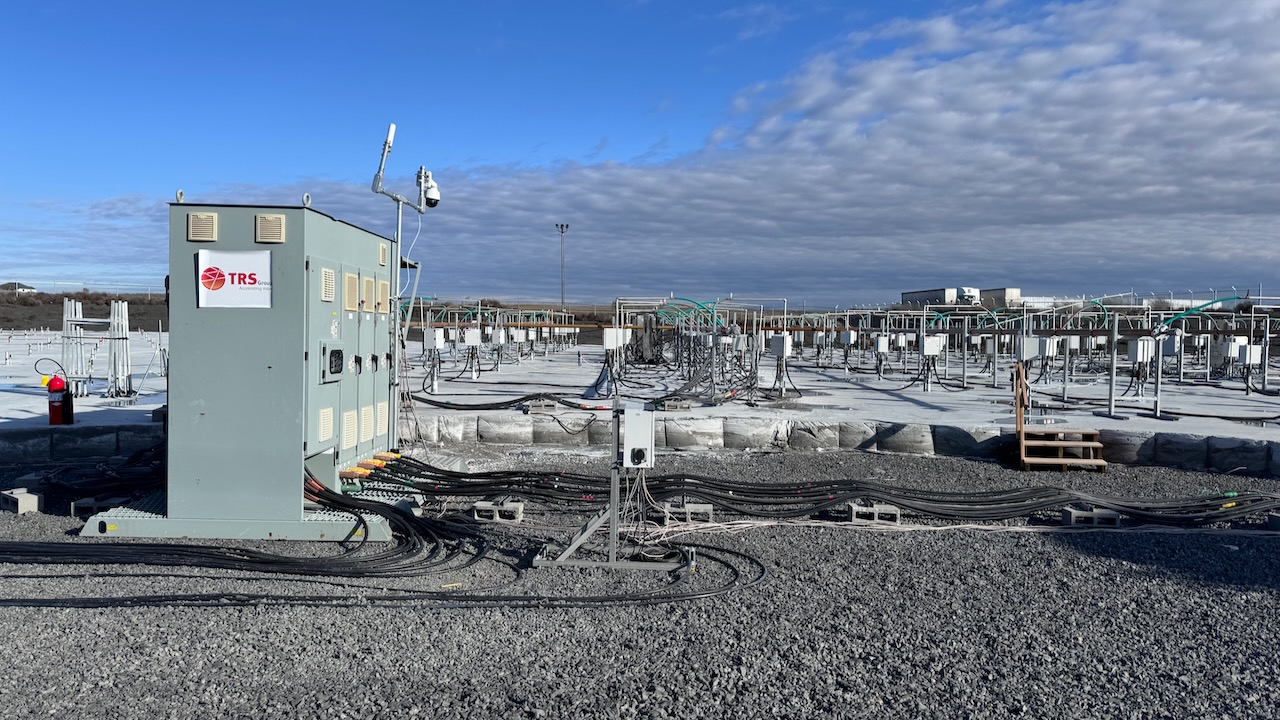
{"points": [[1142, 349], [281, 321], [780, 345], [933, 345], [637, 436]]}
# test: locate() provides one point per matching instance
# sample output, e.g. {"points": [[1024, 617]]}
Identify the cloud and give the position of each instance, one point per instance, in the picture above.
{"points": [[1079, 148], [756, 20]]}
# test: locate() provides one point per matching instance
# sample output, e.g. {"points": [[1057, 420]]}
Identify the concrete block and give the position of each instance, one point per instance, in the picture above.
{"points": [[858, 435], [20, 501], [132, 438], [1128, 447], [1273, 457], [26, 445], [812, 435], [600, 432], [694, 433], [560, 429], [426, 429], [457, 429], [1228, 454], [508, 429], [86, 441], [912, 439], [1190, 452], [979, 442], [748, 433]]}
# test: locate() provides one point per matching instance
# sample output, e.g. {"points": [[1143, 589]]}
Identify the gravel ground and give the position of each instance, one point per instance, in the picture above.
{"points": [[850, 623]]}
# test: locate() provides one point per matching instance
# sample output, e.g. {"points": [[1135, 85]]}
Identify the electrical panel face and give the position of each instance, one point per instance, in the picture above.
{"points": [[1249, 354], [1142, 349], [882, 344], [612, 338], [933, 345], [637, 436], [780, 345]]}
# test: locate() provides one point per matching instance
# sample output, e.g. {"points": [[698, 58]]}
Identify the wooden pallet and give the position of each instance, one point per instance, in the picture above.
{"points": [[1052, 447]]}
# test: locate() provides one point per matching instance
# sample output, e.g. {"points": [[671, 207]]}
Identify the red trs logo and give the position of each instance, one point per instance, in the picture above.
{"points": [[213, 278]]}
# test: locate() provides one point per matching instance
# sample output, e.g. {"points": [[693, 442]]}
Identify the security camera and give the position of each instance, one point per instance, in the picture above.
{"points": [[428, 191]]}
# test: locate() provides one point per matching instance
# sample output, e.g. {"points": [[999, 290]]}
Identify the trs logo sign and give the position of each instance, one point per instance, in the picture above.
{"points": [[213, 278]]}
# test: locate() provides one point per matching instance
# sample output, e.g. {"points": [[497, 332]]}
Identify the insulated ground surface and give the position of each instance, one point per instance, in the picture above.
{"points": [[931, 622]]}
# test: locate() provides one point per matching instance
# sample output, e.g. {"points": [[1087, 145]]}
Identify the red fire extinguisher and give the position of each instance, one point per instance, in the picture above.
{"points": [[60, 409]]}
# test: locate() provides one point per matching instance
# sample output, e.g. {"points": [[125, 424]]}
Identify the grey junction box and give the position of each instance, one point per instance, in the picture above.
{"points": [[281, 326]]}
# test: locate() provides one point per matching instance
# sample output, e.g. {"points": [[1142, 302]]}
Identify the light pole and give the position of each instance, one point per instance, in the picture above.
{"points": [[562, 227]]}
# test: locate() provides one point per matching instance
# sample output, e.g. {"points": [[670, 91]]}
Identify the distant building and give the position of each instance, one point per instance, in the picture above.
{"points": [[16, 288]]}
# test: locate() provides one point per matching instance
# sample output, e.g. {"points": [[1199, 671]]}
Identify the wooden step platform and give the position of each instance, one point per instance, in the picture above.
{"points": [[1065, 448]]}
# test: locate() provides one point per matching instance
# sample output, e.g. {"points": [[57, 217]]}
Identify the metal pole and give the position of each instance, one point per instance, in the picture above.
{"points": [[1111, 376], [964, 355], [562, 227]]}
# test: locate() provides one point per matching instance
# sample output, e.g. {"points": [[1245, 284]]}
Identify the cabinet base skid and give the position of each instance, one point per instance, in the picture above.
{"points": [[321, 525]]}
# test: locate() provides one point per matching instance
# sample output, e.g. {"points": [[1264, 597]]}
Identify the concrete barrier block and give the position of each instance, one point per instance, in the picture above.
{"points": [[561, 430], [695, 433], [858, 435], [509, 429], [748, 433], [978, 442], [600, 432], [813, 435], [1248, 457], [26, 445], [132, 438], [425, 429], [1190, 452], [457, 428], [1128, 447], [909, 438], [84, 442]]}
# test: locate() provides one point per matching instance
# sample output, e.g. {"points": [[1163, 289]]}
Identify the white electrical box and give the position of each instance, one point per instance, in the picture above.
{"points": [[1142, 349], [1073, 342], [1047, 346], [471, 337], [989, 345], [519, 335], [780, 345], [1171, 343], [1027, 348], [882, 344], [848, 337], [1250, 355], [433, 338], [933, 345], [637, 436], [612, 338], [900, 341]]}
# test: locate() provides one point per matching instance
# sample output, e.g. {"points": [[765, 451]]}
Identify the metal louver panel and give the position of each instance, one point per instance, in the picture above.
{"points": [[202, 227], [324, 425], [383, 412], [384, 296], [383, 254], [350, 292], [348, 429], [328, 284], [269, 229], [366, 423], [366, 295]]}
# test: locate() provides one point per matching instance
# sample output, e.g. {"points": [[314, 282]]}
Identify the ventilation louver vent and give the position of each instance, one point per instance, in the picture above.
{"points": [[324, 426], [269, 229], [366, 295], [384, 296], [328, 284], [202, 227], [350, 292], [384, 409], [348, 429], [366, 423], [383, 254]]}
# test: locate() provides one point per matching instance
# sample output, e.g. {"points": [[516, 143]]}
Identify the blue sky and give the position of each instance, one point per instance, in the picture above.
{"points": [[831, 152]]}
